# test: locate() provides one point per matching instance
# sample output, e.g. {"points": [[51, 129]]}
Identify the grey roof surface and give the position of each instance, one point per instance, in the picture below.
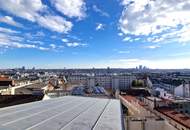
{"points": [[4, 87], [64, 113]]}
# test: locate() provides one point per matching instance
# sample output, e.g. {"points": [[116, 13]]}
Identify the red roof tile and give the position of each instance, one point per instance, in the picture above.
{"points": [[4, 79], [130, 98], [178, 117]]}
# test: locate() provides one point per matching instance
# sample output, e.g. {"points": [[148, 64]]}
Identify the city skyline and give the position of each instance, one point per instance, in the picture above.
{"points": [[87, 34]]}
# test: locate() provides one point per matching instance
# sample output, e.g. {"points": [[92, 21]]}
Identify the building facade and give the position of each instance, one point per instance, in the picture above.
{"points": [[121, 82], [182, 91]]}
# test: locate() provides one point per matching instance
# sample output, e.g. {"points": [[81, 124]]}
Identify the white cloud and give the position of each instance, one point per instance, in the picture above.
{"points": [[7, 43], [35, 42], [72, 44], [98, 10], [127, 39], [20, 45], [156, 39], [120, 34], [55, 23], [100, 26], [32, 36], [11, 37], [65, 40], [184, 34], [30, 10], [27, 9], [153, 47], [43, 48], [153, 17], [181, 36], [6, 30], [53, 46], [75, 44], [10, 40], [71, 8], [9, 20]]}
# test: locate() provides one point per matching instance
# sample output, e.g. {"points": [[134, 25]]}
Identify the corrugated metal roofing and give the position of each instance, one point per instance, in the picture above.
{"points": [[65, 113]]}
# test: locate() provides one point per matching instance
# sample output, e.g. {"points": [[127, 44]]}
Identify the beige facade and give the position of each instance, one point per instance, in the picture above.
{"points": [[121, 82], [140, 117], [148, 123]]}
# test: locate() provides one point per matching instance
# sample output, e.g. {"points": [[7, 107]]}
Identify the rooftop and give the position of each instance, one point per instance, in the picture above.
{"points": [[131, 99], [3, 87], [64, 113], [154, 98], [2, 78], [178, 117]]}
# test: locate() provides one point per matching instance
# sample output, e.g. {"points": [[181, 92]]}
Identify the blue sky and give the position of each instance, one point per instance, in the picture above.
{"points": [[98, 33]]}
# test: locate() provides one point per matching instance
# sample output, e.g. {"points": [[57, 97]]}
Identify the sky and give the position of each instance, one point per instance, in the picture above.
{"points": [[95, 33]]}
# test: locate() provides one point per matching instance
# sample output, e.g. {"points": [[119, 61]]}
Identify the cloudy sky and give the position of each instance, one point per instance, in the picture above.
{"points": [[94, 33]]}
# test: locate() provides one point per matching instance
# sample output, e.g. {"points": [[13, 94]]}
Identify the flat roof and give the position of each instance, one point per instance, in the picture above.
{"points": [[4, 87], [64, 113]]}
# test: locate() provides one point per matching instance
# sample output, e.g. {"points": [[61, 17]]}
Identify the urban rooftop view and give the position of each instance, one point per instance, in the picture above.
{"points": [[94, 65]]}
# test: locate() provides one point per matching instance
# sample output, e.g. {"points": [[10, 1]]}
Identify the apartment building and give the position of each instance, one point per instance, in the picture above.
{"points": [[182, 90], [141, 117], [114, 82]]}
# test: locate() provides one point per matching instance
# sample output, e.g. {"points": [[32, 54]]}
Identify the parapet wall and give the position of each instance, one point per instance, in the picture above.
{"points": [[9, 100]]}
